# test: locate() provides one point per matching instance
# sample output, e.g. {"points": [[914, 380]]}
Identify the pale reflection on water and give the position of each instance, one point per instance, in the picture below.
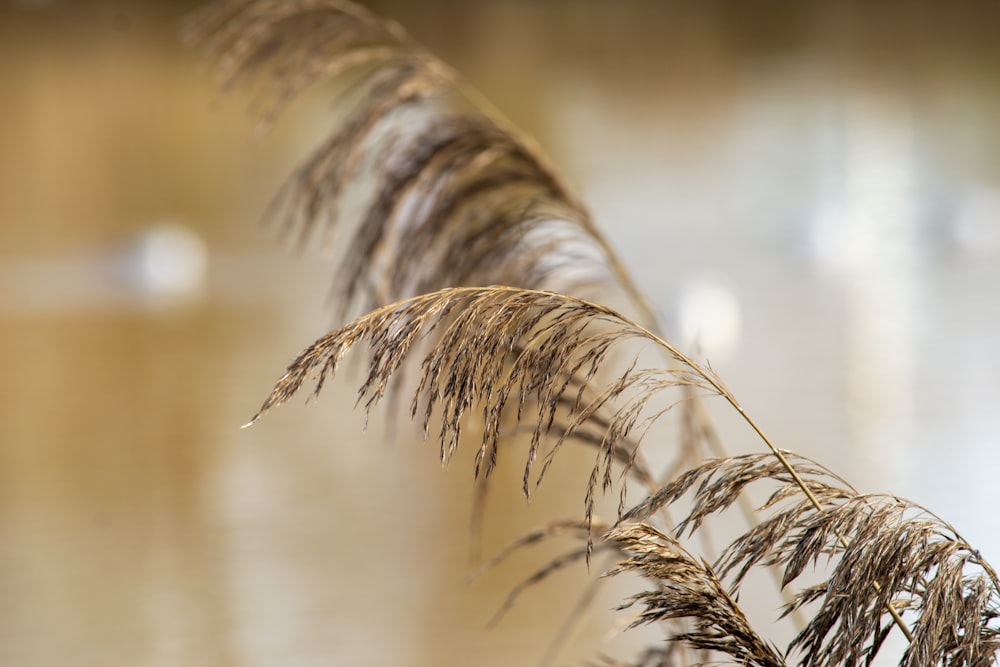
{"points": [[792, 187]]}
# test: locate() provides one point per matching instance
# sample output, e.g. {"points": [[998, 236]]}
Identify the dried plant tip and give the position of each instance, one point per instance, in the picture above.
{"points": [[687, 588], [561, 343], [883, 551]]}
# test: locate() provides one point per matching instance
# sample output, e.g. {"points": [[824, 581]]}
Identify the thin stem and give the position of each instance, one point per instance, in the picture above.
{"points": [[746, 507]]}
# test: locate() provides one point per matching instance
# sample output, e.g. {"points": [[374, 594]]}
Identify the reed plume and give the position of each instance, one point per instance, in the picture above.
{"points": [[884, 552], [460, 205], [458, 196]]}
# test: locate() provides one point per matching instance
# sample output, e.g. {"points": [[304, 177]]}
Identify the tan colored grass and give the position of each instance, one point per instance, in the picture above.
{"points": [[462, 203]]}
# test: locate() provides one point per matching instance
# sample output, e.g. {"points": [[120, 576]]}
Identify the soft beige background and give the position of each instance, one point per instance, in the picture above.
{"points": [[812, 190]]}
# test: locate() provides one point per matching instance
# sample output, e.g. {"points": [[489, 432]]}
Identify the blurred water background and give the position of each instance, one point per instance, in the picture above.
{"points": [[810, 192]]}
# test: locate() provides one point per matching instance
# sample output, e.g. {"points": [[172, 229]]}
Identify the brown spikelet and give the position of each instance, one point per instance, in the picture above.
{"points": [[687, 588], [896, 551], [561, 342], [590, 433], [883, 551]]}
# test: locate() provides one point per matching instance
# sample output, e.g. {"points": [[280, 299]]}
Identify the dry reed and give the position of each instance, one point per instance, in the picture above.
{"points": [[463, 204]]}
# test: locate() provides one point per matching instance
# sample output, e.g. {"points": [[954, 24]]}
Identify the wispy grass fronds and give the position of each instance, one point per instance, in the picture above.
{"points": [[719, 483], [506, 353], [458, 195], [561, 343], [687, 588], [882, 551]]}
